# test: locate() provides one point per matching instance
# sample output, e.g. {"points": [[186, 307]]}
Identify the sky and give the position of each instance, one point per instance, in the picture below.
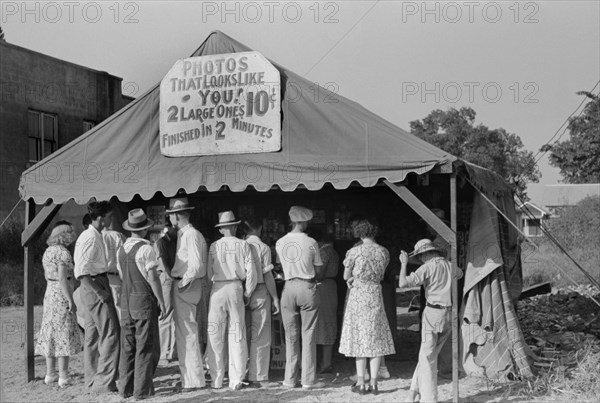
{"points": [[517, 64]]}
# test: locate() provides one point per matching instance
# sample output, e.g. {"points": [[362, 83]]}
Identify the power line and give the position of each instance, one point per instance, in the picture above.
{"points": [[567, 121], [535, 157]]}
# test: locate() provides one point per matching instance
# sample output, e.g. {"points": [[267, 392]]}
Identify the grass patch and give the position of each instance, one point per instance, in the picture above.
{"points": [[11, 284], [578, 383], [543, 262]]}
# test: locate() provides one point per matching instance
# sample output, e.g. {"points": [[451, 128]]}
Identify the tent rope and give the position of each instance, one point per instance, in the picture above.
{"points": [[11, 211], [547, 233]]}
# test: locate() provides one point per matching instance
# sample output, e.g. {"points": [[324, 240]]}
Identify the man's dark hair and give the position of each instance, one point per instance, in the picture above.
{"points": [[99, 209], [252, 224], [86, 221], [62, 222]]}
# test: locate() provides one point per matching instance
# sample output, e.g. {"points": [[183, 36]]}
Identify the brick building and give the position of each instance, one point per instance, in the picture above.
{"points": [[45, 103]]}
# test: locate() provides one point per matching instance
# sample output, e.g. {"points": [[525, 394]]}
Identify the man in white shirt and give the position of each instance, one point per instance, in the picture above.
{"points": [[436, 275], [113, 240], [102, 330], [230, 264], [258, 310], [189, 268], [303, 268]]}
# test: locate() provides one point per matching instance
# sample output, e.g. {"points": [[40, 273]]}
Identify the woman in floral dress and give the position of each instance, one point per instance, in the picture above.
{"points": [[59, 335], [365, 330]]}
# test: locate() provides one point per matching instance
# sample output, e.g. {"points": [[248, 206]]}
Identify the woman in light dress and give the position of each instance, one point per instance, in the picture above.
{"points": [[365, 331], [59, 336]]}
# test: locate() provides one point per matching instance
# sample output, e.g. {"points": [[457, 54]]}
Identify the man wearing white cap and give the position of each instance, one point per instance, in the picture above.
{"points": [[436, 275], [188, 269], [302, 267], [230, 264]]}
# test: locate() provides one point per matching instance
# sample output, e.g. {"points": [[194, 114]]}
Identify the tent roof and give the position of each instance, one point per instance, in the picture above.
{"points": [[335, 142]]}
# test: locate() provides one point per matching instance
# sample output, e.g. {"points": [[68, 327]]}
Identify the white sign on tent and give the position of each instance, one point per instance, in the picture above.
{"points": [[220, 104]]}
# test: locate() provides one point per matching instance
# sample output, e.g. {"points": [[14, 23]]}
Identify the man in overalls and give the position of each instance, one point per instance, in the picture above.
{"points": [[140, 304]]}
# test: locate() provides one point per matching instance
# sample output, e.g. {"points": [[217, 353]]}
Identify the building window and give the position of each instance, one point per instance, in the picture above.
{"points": [[43, 135], [534, 227], [88, 125]]}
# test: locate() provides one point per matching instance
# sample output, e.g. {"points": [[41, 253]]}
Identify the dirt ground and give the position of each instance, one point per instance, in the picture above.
{"points": [[337, 389]]}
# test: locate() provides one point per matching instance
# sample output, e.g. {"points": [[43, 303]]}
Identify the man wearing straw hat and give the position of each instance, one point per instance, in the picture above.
{"points": [[302, 266], [230, 264], [188, 269], [436, 275], [142, 299]]}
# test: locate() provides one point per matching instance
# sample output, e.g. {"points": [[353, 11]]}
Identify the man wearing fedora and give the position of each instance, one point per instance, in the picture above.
{"points": [[436, 275], [101, 344], [141, 302], [302, 266], [230, 264], [188, 269]]}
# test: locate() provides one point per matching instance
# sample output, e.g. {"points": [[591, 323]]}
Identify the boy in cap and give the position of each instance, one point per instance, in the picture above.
{"points": [[229, 264], [188, 269], [141, 301], [436, 275], [302, 266]]}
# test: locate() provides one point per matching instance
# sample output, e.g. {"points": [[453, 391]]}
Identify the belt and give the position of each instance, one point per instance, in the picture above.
{"points": [[446, 308], [177, 278], [51, 279], [229, 281], [308, 280], [99, 275], [113, 274]]}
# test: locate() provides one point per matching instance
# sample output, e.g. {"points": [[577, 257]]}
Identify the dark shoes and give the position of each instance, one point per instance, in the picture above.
{"points": [[360, 389], [364, 389]]}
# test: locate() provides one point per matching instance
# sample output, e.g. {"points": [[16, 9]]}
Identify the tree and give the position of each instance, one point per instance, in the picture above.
{"points": [[454, 131], [579, 157]]}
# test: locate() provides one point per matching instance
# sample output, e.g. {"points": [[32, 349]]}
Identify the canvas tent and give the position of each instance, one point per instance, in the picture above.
{"points": [[333, 141]]}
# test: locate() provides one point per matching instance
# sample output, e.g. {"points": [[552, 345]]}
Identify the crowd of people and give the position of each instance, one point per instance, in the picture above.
{"points": [[210, 307]]}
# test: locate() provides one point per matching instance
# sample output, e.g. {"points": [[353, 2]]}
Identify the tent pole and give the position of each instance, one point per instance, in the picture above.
{"points": [[28, 294], [454, 258]]}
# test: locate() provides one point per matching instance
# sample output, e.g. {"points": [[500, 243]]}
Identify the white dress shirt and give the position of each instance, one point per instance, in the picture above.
{"points": [[90, 253], [190, 260]]}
